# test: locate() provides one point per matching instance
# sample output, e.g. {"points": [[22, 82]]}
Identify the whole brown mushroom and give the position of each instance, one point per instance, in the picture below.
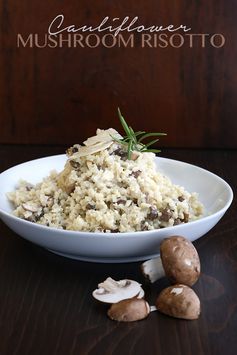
{"points": [[178, 260], [179, 301], [129, 310]]}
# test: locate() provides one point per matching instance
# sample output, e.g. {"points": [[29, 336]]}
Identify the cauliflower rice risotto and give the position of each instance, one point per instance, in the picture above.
{"points": [[101, 190]]}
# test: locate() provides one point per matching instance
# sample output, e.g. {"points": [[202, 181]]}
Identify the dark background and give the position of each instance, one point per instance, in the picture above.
{"points": [[61, 95]]}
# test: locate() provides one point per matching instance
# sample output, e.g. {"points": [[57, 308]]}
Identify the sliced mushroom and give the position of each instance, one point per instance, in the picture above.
{"points": [[178, 260], [111, 291], [129, 310], [179, 301]]}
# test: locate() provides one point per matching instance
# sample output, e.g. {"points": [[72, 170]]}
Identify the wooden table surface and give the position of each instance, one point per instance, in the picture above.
{"points": [[45, 300]]}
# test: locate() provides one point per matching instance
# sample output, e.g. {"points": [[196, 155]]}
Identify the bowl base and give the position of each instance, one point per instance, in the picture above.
{"points": [[105, 260]]}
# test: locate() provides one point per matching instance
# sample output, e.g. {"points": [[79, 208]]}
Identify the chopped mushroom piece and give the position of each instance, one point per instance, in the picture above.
{"points": [[111, 291], [89, 206], [134, 156], [166, 215], [29, 207], [135, 173], [153, 214], [121, 202], [178, 260], [72, 150], [29, 187], [121, 153], [129, 310], [74, 164], [179, 301]]}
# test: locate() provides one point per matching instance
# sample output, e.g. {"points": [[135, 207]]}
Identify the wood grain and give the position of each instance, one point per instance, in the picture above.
{"points": [[61, 95], [45, 300]]}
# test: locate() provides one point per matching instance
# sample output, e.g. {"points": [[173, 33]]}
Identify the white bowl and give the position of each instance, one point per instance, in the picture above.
{"points": [[214, 193]]}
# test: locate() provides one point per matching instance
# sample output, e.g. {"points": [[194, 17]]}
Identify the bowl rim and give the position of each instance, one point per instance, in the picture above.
{"points": [[119, 234]]}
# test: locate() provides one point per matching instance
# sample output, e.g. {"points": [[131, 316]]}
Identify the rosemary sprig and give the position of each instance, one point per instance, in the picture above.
{"points": [[134, 140]]}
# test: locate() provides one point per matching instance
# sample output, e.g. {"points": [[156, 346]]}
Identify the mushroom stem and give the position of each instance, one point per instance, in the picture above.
{"points": [[153, 308], [153, 269]]}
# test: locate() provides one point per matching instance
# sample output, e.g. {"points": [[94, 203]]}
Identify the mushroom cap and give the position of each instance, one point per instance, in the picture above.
{"points": [[129, 310], [180, 260], [111, 291], [179, 301]]}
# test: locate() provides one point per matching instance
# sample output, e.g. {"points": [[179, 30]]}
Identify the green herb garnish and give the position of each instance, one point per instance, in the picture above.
{"points": [[134, 140]]}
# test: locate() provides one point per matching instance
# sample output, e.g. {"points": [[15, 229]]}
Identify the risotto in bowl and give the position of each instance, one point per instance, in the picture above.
{"points": [[106, 192], [98, 203]]}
